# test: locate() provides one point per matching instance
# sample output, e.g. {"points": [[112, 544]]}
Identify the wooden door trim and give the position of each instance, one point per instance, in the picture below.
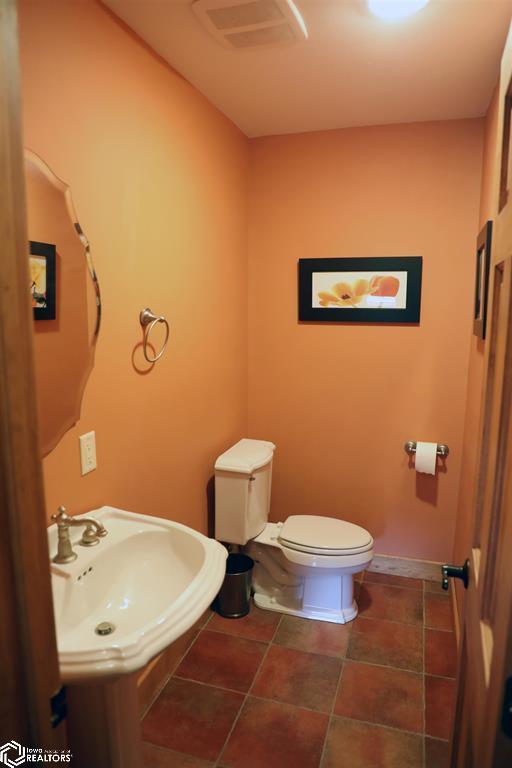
{"points": [[28, 655]]}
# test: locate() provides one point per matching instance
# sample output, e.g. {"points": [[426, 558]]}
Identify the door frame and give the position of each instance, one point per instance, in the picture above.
{"points": [[485, 653], [28, 651]]}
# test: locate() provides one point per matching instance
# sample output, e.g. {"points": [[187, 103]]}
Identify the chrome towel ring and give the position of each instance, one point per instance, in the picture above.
{"points": [[148, 321]]}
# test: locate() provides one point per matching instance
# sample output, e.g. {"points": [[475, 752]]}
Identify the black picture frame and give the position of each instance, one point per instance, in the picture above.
{"points": [[482, 271], [47, 308], [412, 265]]}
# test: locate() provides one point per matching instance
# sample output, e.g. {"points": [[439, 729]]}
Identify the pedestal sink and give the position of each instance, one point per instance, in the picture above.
{"points": [[118, 605]]}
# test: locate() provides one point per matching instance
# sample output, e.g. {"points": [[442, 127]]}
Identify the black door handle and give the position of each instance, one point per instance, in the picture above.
{"points": [[455, 572]]}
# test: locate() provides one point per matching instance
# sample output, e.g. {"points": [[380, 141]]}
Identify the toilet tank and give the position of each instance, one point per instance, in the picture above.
{"points": [[243, 476]]}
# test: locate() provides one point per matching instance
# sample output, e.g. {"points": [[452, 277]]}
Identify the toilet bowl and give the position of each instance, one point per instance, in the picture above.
{"points": [[305, 565]]}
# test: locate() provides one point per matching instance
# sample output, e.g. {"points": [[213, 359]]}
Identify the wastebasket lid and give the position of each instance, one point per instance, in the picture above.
{"points": [[238, 563]]}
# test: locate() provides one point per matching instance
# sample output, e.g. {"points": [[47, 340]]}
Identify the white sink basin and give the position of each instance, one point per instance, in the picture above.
{"points": [[149, 577]]}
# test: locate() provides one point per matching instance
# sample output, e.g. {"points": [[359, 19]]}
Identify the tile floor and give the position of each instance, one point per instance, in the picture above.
{"points": [[273, 691]]}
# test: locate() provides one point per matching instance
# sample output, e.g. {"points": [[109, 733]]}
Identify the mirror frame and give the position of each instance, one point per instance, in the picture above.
{"points": [[33, 157]]}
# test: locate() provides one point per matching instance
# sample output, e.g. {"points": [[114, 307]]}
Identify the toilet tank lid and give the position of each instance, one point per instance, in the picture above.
{"points": [[246, 456]]}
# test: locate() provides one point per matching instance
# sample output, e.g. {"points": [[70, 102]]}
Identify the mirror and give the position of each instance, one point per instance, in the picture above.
{"points": [[65, 298]]}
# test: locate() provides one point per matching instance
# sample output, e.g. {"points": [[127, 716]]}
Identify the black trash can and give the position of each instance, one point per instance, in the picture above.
{"points": [[233, 600]]}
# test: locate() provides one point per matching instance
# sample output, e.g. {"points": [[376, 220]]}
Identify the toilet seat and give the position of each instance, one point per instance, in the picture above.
{"points": [[303, 555], [327, 536]]}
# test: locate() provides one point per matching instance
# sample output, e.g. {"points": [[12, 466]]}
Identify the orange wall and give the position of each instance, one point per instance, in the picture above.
{"points": [[462, 544], [159, 181], [340, 400]]}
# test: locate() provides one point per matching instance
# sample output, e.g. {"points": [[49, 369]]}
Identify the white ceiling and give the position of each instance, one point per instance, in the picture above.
{"points": [[354, 69]]}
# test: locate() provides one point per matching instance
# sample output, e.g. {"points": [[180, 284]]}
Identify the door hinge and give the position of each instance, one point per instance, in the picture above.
{"points": [[506, 715], [58, 707]]}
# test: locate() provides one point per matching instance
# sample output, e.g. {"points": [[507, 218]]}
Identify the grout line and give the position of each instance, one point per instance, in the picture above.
{"points": [[380, 725], [168, 676], [383, 666], [235, 721], [331, 713], [245, 637], [210, 617], [392, 621], [441, 677], [210, 685], [394, 586]]}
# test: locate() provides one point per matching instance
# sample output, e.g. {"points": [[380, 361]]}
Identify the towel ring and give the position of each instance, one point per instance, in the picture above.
{"points": [[148, 321]]}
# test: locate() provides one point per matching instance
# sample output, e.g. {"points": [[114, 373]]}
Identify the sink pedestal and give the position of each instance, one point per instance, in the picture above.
{"points": [[103, 723]]}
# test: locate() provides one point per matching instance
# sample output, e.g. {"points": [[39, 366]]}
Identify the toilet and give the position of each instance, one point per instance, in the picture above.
{"points": [[304, 566]]}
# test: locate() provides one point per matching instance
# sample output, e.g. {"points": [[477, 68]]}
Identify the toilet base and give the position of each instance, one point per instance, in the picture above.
{"points": [[273, 603], [320, 594], [303, 584]]}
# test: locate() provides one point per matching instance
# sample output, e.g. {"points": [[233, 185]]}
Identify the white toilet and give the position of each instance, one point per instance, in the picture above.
{"points": [[303, 566]]}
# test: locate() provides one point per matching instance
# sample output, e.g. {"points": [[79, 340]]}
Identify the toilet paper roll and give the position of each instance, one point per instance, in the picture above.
{"points": [[426, 458]]}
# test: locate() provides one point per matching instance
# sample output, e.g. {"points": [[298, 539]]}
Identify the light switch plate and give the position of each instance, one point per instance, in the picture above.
{"points": [[88, 452]]}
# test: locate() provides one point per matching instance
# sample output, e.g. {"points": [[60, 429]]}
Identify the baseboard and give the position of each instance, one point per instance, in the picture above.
{"points": [[154, 676], [405, 566]]}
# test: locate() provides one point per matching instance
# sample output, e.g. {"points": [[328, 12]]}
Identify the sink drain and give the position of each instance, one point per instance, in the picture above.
{"points": [[105, 628]]}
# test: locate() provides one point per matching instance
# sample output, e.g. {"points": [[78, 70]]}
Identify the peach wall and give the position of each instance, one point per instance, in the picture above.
{"points": [[160, 182], [340, 400], [159, 179], [464, 530]]}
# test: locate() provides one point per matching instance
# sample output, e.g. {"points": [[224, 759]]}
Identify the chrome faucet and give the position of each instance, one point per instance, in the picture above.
{"points": [[91, 536]]}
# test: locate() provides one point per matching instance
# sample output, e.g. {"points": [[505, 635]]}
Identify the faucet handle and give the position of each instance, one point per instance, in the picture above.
{"points": [[61, 517]]}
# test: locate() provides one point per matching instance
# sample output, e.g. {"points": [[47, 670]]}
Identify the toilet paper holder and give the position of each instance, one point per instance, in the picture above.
{"points": [[442, 450]]}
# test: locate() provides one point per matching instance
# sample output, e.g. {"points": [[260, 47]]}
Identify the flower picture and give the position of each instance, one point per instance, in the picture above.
{"points": [[365, 290], [351, 290], [42, 257], [37, 265]]}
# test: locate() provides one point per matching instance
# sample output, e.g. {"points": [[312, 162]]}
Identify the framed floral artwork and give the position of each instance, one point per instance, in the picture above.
{"points": [[42, 271], [360, 290]]}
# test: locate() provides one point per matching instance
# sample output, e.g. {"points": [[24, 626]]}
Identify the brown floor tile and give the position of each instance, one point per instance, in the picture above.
{"points": [[257, 625], [156, 757], [439, 706], [435, 586], [275, 735], [396, 581], [440, 653], [381, 695], [438, 611], [381, 601], [192, 718], [223, 660], [296, 677], [351, 744], [315, 636], [437, 753], [385, 642]]}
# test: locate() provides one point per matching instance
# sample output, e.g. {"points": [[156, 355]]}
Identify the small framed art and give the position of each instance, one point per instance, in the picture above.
{"points": [[483, 265], [360, 290], [42, 269]]}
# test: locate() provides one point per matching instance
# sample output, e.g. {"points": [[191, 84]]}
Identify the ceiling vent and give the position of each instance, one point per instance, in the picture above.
{"points": [[240, 24]]}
